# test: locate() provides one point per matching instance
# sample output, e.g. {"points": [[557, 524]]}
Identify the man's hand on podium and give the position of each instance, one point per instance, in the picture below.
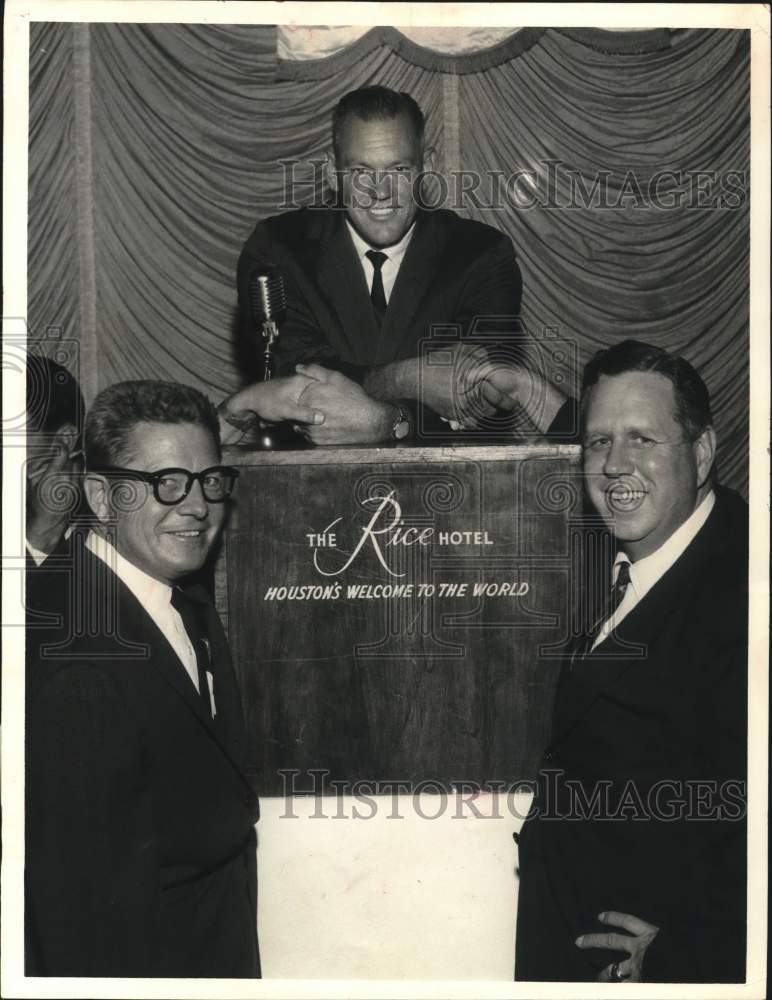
{"points": [[273, 402], [350, 415]]}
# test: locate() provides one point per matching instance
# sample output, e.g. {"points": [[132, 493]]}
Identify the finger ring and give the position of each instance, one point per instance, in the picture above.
{"points": [[615, 975]]}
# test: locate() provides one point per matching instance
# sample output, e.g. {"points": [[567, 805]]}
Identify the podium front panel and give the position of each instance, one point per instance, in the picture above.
{"points": [[396, 616]]}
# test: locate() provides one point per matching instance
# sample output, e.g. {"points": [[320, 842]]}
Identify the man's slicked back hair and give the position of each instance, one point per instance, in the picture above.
{"points": [[119, 408], [691, 394], [375, 103]]}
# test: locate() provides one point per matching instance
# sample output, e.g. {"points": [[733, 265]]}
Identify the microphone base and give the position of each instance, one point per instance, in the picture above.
{"points": [[275, 437]]}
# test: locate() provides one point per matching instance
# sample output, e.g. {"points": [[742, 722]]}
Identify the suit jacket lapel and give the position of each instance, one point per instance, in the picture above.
{"points": [[341, 280], [135, 625], [229, 720], [416, 274], [627, 647], [331, 256]]}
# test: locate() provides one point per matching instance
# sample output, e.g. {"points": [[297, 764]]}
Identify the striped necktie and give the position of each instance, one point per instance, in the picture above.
{"points": [[614, 599]]}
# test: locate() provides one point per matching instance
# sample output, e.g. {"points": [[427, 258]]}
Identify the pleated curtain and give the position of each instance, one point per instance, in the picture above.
{"points": [[154, 149]]}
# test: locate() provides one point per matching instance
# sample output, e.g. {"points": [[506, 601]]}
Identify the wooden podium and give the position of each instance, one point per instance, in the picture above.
{"points": [[395, 614]]}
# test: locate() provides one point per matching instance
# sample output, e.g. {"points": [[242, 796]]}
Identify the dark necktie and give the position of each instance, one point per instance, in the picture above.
{"points": [[377, 294], [614, 599], [192, 614]]}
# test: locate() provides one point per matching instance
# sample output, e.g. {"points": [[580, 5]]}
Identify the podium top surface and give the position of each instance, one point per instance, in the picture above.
{"points": [[400, 455]]}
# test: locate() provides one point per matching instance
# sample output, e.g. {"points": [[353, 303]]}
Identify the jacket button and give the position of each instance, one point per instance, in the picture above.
{"points": [[549, 755]]}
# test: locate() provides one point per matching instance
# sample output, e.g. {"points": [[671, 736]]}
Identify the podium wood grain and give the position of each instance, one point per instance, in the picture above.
{"points": [[419, 690]]}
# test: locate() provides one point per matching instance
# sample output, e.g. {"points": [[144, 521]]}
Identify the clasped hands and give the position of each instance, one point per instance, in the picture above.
{"points": [[464, 386], [639, 936], [323, 405], [459, 383]]}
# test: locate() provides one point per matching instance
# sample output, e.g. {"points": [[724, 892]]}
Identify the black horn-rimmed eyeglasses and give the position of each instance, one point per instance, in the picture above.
{"points": [[171, 486]]}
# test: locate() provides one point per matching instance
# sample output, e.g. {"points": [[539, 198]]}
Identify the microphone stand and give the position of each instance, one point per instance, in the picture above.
{"points": [[269, 435], [273, 437], [270, 333]]}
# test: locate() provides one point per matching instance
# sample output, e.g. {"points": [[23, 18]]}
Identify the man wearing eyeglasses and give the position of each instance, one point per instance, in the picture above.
{"points": [[633, 861], [140, 841], [55, 417]]}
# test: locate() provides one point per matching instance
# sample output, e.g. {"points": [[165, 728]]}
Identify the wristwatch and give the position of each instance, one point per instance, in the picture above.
{"points": [[401, 426]]}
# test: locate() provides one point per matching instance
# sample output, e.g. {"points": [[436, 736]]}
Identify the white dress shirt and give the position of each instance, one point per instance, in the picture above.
{"points": [[154, 596], [644, 573], [38, 555], [390, 267]]}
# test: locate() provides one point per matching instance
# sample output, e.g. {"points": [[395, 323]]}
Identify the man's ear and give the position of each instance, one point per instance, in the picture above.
{"points": [[704, 453], [330, 170], [56, 457], [66, 441], [429, 159], [68, 436], [96, 489]]}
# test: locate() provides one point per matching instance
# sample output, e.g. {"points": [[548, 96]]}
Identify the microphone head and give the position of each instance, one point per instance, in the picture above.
{"points": [[267, 299]]}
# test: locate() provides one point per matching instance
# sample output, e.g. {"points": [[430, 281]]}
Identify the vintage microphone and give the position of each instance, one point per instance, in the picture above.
{"points": [[268, 306]]}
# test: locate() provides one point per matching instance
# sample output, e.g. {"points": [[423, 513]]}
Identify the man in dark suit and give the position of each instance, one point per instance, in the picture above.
{"points": [[633, 858], [55, 415], [369, 277], [140, 840]]}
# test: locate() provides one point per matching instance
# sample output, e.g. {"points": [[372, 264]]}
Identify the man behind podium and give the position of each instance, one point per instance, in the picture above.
{"points": [[632, 864], [369, 276], [140, 841]]}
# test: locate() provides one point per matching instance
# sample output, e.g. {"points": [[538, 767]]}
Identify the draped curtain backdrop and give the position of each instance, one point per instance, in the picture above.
{"points": [[155, 148]]}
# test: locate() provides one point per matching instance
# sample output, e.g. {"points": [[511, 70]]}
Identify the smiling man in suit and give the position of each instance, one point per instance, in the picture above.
{"points": [[140, 840], [370, 275], [633, 859]]}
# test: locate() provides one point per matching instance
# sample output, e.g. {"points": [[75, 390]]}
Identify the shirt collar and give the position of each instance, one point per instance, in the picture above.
{"points": [[145, 588], [645, 572], [395, 253], [38, 555]]}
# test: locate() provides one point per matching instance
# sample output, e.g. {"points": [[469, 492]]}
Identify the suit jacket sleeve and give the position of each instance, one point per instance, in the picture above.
{"points": [[565, 426], [705, 939], [91, 863], [492, 287]]}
